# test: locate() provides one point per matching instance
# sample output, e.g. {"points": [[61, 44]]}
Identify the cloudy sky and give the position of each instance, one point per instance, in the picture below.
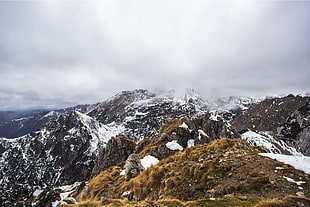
{"points": [[55, 54]]}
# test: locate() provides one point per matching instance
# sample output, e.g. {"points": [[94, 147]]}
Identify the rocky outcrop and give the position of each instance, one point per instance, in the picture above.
{"points": [[182, 133], [117, 150], [285, 119], [296, 129], [133, 166], [269, 114]]}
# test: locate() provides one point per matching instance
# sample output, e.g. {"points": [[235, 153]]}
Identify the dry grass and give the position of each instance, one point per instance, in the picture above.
{"points": [[173, 124], [288, 201], [186, 177]]}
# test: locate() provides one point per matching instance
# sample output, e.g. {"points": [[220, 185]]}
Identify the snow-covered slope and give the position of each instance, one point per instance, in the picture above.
{"points": [[270, 143], [63, 152], [298, 162], [142, 113], [231, 106]]}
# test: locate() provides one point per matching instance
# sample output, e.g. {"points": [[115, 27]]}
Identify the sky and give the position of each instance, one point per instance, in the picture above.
{"points": [[60, 53]]}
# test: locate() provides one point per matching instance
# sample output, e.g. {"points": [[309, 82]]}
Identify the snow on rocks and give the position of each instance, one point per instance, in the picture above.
{"points": [[293, 181], [190, 143], [184, 125], [264, 139], [213, 117], [201, 132], [148, 161], [298, 162], [174, 145], [37, 192]]}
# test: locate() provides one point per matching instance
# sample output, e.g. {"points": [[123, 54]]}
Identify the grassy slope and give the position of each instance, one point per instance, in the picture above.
{"points": [[224, 167]]}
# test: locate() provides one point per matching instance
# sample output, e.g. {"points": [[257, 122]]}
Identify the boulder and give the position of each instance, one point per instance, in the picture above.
{"points": [[133, 166], [117, 150]]}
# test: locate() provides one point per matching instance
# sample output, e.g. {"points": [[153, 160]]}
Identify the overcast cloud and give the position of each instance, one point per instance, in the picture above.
{"points": [[56, 54]]}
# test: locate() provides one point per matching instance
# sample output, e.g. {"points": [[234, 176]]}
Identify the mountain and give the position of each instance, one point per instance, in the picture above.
{"points": [[142, 113], [296, 129], [15, 124], [231, 106], [269, 114], [61, 153], [281, 121], [174, 131]]}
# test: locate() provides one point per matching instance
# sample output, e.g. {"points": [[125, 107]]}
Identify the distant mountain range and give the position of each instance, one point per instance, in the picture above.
{"points": [[73, 145], [130, 108], [18, 123]]}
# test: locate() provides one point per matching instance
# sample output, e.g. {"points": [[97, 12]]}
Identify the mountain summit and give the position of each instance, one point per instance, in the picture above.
{"points": [[142, 113]]}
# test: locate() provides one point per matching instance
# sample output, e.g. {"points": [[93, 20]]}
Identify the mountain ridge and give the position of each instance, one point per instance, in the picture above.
{"points": [[77, 146]]}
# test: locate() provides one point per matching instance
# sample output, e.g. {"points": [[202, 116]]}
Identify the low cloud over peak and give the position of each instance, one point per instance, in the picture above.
{"points": [[58, 53]]}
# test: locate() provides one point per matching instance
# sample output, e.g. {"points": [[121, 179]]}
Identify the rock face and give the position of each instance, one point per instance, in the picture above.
{"points": [[285, 119], [182, 133], [117, 150], [142, 113], [133, 166], [61, 153], [269, 114], [296, 129]]}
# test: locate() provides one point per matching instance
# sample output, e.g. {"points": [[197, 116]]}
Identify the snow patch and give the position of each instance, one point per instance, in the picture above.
{"points": [[37, 192], [298, 162], [184, 125], [264, 139], [148, 161], [213, 117], [190, 143], [65, 195], [174, 145], [201, 132], [54, 204], [122, 172], [293, 181]]}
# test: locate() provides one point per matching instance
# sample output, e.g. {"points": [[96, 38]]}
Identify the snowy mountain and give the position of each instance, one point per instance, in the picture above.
{"points": [[142, 113], [279, 124], [19, 123], [61, 153], [231, 106], [296, 129], [73, 147]]}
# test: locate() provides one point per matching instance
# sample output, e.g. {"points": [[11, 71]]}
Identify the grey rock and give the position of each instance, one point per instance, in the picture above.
{"points": [[117, 150], [133, 166]]}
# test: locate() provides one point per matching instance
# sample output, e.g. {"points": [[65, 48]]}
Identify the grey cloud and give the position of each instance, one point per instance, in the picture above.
{"points": [[79, 52]]}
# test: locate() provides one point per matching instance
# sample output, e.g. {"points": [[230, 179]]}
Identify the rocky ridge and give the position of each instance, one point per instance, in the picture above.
{"points": [[205, 173], [61, 153], [296, 129], [81, 144], [279, 120], [16, 124], [142, 113], [269, 114]]}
